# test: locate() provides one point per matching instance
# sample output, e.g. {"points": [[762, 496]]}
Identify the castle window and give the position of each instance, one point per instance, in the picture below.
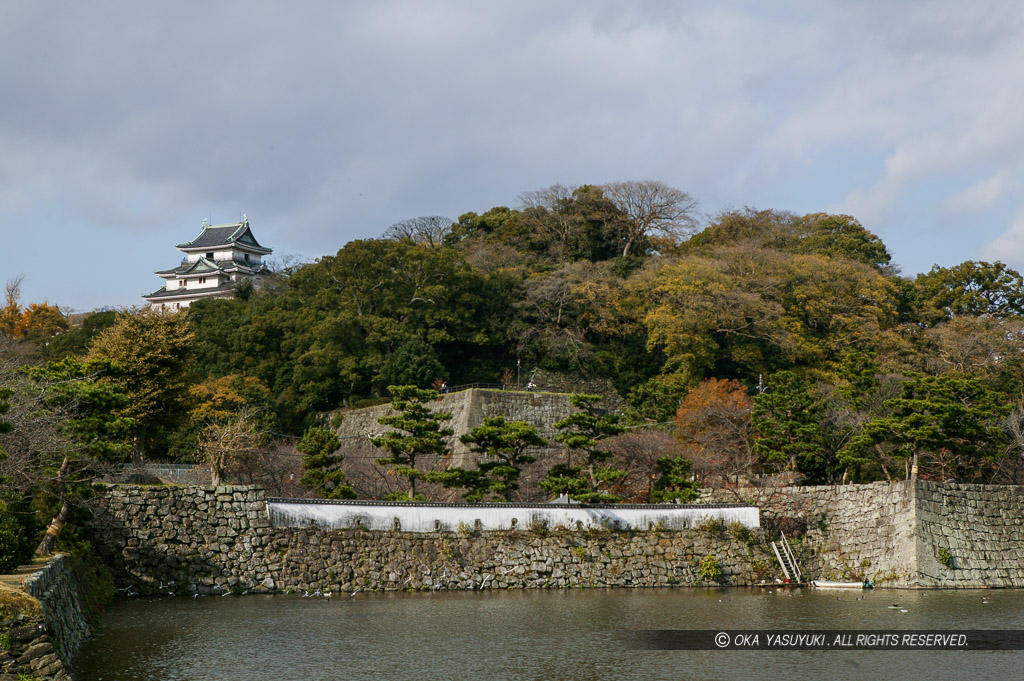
{"points": [[209, 256], [181, 282], [202, 280]]}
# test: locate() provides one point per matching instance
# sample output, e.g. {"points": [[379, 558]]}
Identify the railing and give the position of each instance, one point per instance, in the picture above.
{"points": [[492, 386]]}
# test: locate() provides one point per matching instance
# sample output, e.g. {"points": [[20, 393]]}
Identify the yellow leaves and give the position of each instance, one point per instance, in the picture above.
{"points": [[38, 320], [151, 350], [739, 304], [218, 399], [41, 320]]}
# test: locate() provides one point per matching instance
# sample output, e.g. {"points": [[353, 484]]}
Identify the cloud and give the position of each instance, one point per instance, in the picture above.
{"points": [[1008, 247], [326, 122], [981, 195]]}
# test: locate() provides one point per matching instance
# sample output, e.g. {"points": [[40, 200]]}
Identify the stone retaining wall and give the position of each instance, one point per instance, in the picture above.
{"points": [[29, 651], [469, 408], [209, 540], [896, 533], [67, 618], [980, 526], [47, 635]]}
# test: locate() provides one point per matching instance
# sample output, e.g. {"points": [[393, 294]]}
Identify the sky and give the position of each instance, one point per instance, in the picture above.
{"points": [[124, 124]]}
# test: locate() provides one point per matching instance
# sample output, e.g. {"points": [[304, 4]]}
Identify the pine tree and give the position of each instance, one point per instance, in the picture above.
{"points": [[322, 465], [674, 483], [417, 433], [583, 431], [505, 444]]}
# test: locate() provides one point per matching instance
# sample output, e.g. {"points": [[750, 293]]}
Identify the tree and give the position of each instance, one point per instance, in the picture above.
{"points": [[5, 406], [572, 223], [321, 464], [674, 482], [429, 230], [656, 399], [653, 209], [505, 443], [787, 419], [230, 443], [583, 431], [562, 314], [841, 236], [91, 431], [971, 288], [417, 433], [822, 234], [743, 310], [355, 310], [76, 341], [942, 419], [10, 313], [220, 410], [637, 451], [413, 363], [152, 351], [714, 422], [38, 320], [218, 399], [42, 320]]}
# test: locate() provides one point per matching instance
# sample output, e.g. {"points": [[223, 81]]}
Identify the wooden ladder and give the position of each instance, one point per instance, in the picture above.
{"points": [[784, 553]]}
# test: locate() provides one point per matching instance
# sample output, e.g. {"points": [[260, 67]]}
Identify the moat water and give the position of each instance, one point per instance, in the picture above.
{"points": [[564, 635]]}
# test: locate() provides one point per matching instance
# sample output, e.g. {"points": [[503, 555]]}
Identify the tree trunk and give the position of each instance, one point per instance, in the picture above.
{"points": [[45, 547], [139, 445]]}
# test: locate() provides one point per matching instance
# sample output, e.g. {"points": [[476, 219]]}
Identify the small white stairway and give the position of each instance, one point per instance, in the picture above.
{"points": [[787, 560]]}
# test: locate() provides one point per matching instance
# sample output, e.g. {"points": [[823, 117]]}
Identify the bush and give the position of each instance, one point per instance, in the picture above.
{"points": [[709, 569], [360, 403], [793, 527], [741, 532], [712, 527], [946, 558], [16, 546]]}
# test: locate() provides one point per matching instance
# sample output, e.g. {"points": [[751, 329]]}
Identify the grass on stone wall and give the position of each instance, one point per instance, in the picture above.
{"points": [[709, 570]]}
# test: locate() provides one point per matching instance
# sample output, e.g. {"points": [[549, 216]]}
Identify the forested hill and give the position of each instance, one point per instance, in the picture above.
{"points": [[623, 286], [751, 294]]}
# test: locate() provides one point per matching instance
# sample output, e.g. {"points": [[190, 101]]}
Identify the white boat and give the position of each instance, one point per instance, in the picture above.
{"points": [[827, 584]]}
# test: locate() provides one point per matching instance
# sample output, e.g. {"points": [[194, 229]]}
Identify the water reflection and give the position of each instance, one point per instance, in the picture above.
{"points": [[568, 635]]}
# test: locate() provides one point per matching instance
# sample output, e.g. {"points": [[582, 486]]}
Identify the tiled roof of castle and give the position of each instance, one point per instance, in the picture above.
{"points": [[164, 292], [207, 266], [219, 236]]}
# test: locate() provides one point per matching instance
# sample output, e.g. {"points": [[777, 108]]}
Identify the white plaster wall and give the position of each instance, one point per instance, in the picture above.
{"points": [[212, 281], [431, 518], [218, 254]]}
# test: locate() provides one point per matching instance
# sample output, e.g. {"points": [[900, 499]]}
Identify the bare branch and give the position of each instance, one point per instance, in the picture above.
{"points": [[654, 208], [429, 230]]}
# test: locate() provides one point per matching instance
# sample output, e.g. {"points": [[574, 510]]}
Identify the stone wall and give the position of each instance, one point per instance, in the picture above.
{"points": [[50, 627], [215, 540], [29, 651], [68, 619], [980, 526], [468, 408], [896, 533], [211, 540]]}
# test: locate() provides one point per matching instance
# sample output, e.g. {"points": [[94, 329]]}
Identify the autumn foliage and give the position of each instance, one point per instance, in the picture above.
{"points": [[713, 422]]}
